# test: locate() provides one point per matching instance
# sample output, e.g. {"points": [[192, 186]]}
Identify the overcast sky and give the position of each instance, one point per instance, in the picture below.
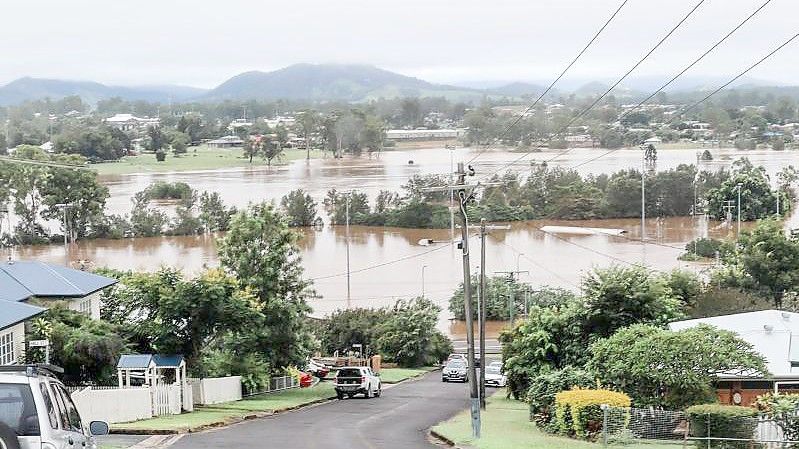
{"points": [[202, 43]]}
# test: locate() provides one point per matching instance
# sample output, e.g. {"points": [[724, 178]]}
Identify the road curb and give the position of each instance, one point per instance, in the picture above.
{"points": [[441, 438], [252, 416]]}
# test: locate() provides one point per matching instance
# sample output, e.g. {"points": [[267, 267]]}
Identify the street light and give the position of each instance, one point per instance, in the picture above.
{"points": [[423, 267], [64, 207], [738, 186]]}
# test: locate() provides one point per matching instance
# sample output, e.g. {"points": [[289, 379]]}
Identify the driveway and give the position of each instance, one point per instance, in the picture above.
{"points": [[397, 420]]}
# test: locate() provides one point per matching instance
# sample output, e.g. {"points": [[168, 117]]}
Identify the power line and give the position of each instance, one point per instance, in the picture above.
{"points": [[692, 106], [382, 264], [536, 263], [604, 94], [565, 240], [552, 84]]}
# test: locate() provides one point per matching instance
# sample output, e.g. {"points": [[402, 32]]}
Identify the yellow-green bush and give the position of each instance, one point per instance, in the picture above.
{"points": [[578, 412]]}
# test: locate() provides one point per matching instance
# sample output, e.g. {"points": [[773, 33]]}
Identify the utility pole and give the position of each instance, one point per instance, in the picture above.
{"points": [[474, 401], [511, 293], [347, 207], [728, 206], [64, 207], [464, 196], [484, 230]]}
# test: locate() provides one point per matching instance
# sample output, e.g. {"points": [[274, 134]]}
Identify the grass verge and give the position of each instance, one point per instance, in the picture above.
{"points": [[197, 158], [230, 412], [506, 425]]}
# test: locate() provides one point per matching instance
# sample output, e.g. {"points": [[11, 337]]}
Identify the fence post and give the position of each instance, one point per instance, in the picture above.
{"points": [[707, 418], [605, 410]]}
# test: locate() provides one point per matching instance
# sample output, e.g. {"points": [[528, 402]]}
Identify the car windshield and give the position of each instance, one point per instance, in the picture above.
{"points": [[456, 364], [17, 409], [350, 372], [493, 369]]}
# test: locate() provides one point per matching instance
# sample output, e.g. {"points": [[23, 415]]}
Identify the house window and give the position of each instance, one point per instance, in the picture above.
{"points": [[7, 355], [86, 307]]}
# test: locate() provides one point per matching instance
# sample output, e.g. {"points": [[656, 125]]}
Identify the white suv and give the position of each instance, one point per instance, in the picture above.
{"points": [[37, 412], [352, 380]]}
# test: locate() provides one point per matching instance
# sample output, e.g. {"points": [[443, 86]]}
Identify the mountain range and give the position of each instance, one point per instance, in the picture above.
{"points": [[314, 82]]}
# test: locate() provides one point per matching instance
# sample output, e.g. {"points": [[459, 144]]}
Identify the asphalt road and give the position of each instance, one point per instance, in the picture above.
{"points": [[399, 419]]}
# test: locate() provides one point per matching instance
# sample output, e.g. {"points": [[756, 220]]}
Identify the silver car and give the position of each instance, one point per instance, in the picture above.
{"points": [[36, 411]]}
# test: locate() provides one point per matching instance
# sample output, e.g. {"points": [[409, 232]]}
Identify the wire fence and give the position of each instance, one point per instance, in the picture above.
{"points": [[276, 384], [650, 428]]}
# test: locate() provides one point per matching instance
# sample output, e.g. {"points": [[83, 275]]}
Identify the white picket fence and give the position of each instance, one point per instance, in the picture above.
{"points": [[214, 390]]}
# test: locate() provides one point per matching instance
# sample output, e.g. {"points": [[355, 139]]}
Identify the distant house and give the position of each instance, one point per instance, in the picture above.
{"points": [[775, 335], [42, 284], [226, 142], [425, 134], [129, 122]]}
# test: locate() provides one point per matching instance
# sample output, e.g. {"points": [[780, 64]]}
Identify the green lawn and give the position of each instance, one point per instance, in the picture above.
{"points": [[394, 375], [197, 158], [506, 425], [232, 411]]}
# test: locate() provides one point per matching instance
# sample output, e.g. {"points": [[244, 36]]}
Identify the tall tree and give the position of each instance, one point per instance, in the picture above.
{"points": [[262, 252]]}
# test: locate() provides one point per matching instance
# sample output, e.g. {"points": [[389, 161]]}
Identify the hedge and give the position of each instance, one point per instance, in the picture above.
{"points": [[721, 421], [544, 387], [578, 412]]}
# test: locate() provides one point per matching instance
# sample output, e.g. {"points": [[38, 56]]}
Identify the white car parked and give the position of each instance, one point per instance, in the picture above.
{"points": [[352, 380], [494, 376], [37, 412]]}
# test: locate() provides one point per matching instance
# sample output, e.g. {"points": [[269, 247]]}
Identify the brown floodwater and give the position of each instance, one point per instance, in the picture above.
{"points": [[387, 263]]}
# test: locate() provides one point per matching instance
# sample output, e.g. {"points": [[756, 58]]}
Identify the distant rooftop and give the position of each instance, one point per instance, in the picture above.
{"points": [[20, 280]]}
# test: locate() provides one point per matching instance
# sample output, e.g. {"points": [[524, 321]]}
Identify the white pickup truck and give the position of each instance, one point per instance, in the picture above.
{"points": [[352, 380]]}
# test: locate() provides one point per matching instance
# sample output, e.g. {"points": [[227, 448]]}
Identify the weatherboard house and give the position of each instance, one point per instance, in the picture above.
{"points": [[27, 288], [775, 335]]}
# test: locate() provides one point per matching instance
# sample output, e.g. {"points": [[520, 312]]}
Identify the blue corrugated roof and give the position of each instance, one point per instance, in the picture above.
{"points": [[134, 361], [11, 290], [167, 361], [46, 280], [140, 361], [12, 313]]}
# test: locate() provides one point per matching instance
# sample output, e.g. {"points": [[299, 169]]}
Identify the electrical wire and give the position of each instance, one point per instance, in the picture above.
{"points": [[714, 92], [382, 264], [604, 94], [552, 84], [536, 263]]}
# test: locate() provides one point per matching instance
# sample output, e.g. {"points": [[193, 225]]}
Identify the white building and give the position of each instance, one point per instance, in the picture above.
{"points": [[772, 333], [425, 134], [129, 122]]}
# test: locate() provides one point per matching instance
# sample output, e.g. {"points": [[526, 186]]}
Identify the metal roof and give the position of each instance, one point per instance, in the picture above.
{"points": [[135, 361], [142, 361], [771, 332], [20, 280], [12, 313]]}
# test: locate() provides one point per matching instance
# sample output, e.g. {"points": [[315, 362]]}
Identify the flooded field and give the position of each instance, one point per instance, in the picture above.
{"points": [[386, 263]]}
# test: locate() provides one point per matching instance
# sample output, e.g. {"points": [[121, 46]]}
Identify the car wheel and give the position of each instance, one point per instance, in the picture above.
{"points": [[350, 395], [368, 393], [340, 395], [8, 438], [379, 391]]}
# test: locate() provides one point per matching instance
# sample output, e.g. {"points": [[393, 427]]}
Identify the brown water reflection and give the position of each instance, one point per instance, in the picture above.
{"points": [[550, 260], [556, 261]]}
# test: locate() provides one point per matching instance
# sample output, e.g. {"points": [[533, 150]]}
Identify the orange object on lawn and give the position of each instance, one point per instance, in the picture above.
{"points": [[305, 380]]}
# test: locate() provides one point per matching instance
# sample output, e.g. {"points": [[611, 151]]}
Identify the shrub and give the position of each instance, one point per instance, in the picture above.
{"points": [[579, 412], [722, 421], [782, 409], [543, 388], [704, 247]]}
